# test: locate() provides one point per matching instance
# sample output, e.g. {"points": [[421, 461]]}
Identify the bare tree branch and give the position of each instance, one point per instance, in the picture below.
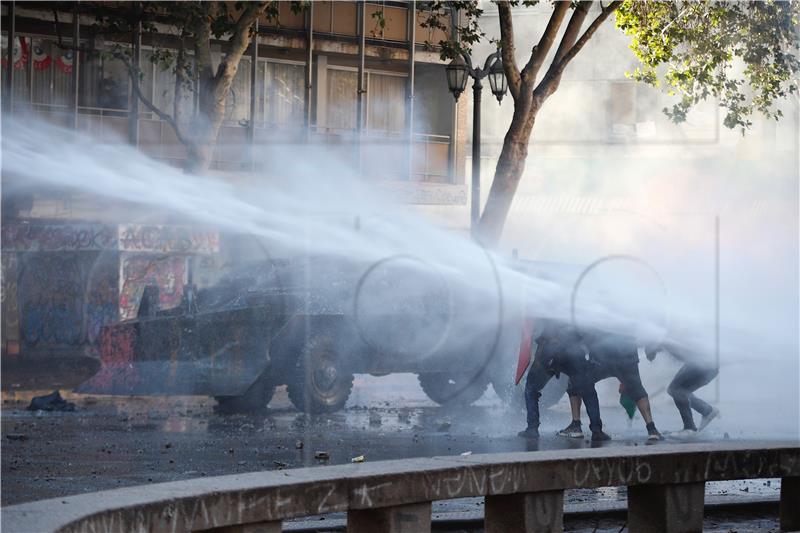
{"points": [[133, 73], [553, 77], [240, 39], [202, 44], [508, 50], [573, 30], [541, 50]]}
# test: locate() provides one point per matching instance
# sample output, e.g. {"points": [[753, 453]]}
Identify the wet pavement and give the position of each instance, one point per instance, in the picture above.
{"points": [[111, 442]]}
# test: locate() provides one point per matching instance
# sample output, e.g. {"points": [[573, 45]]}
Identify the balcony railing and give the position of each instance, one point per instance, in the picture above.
{"points": [[378, 154], [523, 492]]}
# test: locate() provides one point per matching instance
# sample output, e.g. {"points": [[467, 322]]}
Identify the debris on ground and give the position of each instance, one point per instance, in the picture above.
{"points": [[444, 426], [16, 436], [51, 402], [280, 464], [359, 459], [322, 456], [298, 445], [466, 454]]}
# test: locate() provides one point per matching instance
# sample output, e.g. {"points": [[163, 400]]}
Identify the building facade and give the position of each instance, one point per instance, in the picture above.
{"points": [[331, 76]]}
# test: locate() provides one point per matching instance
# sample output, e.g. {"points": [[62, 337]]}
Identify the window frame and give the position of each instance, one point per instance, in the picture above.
{"points": [[367, 72]]}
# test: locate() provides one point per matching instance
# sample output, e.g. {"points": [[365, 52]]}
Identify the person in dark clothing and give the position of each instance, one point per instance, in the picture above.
{"points": [[612, 355], [538, 377], [694, 374], [560, 350]]}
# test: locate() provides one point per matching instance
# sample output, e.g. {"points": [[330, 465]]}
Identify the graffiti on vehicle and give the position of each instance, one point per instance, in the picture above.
{"points": [[8, 297], [138, 271], [58, 238], [116, 357], [101, 298], [51, 299], [65, 298], [163, 239]]}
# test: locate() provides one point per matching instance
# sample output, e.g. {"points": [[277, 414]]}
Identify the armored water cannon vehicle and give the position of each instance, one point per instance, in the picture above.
{"points": [[312, 323]]}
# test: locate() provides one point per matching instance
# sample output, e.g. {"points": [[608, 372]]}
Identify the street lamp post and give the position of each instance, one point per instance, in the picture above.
{"points": [[457, 72]]}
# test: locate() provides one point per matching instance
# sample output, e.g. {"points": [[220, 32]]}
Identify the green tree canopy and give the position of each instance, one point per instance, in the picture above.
{"points": [[743, 55]]}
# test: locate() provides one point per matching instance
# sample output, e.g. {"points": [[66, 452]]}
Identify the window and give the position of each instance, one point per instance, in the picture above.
{"points": [[342, 99], [52, 73], [104, 82], [385, 100], [386, 107], [281, 93], [237, 105], [21, 65], [158, 84]]}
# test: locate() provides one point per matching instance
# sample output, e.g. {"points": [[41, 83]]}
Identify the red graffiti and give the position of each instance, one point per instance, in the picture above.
{"points": [[117, 349], [168, 273], [138, 238]]}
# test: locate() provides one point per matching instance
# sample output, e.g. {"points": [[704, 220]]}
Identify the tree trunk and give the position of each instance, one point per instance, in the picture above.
{"points": [[511, 163], [508, 173], [214, 88], [206, 126]]}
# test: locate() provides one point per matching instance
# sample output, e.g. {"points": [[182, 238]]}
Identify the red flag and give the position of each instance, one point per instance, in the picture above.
{"points": [[524, 349]]}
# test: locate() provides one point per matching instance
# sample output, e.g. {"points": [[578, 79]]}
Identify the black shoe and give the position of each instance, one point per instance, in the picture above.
{"points": [[573, 430], [529, 433], [600, 436], [652, 433]]}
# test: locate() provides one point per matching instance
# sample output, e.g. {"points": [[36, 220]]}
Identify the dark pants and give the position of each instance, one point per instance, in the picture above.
{"points": [[688, 379], [625, 370], [537, 379]]}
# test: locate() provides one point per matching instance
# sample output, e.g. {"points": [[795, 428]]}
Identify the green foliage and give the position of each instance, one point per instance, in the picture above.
{"points": [[438, 14], [743, 54]]}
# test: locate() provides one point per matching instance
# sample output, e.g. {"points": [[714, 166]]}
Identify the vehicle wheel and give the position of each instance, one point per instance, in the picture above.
{"points": [[453, 389], [514, 395], [317, 383], [254, 400]]}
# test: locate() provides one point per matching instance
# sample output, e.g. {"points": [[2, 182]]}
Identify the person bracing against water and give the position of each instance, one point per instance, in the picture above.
{"points": [[538, 377], [614, 355], [559, 350], [695, 373]]}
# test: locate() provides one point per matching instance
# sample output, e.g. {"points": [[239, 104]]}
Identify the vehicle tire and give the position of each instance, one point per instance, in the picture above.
{"points": [[254, 400], [514, 395], [453, 389], [317, 383]]}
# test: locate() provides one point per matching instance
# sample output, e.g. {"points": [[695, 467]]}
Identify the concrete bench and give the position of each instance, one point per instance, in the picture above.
{"points": [[524, 492]]}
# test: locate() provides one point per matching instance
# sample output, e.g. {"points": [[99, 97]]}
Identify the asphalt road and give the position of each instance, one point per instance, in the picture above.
{"points": [[111, 442]]}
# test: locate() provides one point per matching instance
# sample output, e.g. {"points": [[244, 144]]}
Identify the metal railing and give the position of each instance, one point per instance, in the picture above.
{"points": [[383, 153], [523, 491]]}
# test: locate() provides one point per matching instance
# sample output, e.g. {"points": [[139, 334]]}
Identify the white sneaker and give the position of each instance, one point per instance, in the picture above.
{"points": [[706, 420], [684, 434]]}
